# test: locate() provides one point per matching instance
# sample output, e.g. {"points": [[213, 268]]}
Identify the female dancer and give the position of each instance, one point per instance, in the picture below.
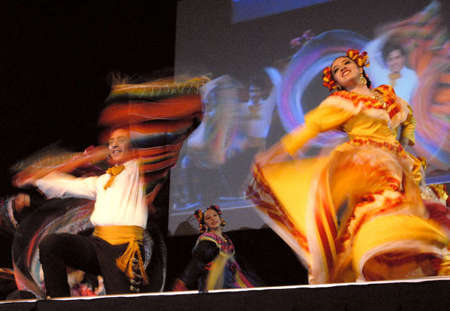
{"points": [[355, 214], [213, 265]]}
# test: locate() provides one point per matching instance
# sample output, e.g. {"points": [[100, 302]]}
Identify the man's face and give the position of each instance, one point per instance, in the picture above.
{"points": [[255, 93], [119, 145], [395, 61]]}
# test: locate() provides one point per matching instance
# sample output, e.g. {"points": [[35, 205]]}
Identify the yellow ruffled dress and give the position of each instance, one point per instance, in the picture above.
{"points": [[357, 213]]}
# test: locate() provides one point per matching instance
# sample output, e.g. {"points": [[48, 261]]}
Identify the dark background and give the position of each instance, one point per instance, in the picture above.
{"points": [[56, 60], [57, 56]]}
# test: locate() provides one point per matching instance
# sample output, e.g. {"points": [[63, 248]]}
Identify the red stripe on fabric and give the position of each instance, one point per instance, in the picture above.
{"points": [[323, 236], [158, 166], [275, 211], [400, 258], [324, 206], [160, 150], [166, 126], [158, 158], [281, 219], [372, 103], [326, 203], [135, 112], [155, 176]]}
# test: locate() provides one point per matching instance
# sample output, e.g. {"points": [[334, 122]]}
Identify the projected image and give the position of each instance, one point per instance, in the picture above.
{"points": [[266, 75], [249, 9], [240, 120]]}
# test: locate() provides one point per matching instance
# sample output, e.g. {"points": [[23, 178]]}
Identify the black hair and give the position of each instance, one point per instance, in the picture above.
{"points": [[389, 47], [369, 83], [364, 73], [262, 81]]}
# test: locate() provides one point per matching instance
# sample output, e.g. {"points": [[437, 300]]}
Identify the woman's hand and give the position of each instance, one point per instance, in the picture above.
{"points": [[404, 141], [275, 154]]}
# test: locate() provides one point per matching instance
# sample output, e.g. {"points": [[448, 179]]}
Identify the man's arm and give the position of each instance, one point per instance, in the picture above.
{"points": [[11, 210], [30, 174], [55, 184], [59, 185]]}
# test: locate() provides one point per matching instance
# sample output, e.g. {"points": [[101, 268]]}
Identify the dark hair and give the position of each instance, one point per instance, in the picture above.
{"points": [[107, 132], [389, 47], [262, 81], [369, 83], [216, 209], [200, 216]]}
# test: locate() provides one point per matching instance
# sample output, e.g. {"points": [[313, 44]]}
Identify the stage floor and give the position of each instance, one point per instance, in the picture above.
{"points": [[422, 294]]}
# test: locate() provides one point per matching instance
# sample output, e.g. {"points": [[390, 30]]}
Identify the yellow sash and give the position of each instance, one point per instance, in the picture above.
{"points": [[134, 236]]}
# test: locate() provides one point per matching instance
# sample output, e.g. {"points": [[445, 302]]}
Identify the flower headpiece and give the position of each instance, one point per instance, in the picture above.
{"points": [[361, 59], [200, 216]]}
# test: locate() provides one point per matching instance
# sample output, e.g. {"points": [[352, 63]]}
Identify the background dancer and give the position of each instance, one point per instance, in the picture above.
{"points": [[213, 265]]}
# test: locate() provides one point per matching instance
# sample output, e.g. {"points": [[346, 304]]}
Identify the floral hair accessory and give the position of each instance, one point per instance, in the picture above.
{"points": [[327, 79], [361, 59], [216, 208], [200, 216]]}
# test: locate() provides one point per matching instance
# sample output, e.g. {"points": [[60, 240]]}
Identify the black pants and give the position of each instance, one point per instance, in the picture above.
{"points": [[87, 253]]}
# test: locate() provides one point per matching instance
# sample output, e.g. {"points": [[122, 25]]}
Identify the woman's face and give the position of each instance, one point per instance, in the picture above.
{"points": [[212, 219], [345, 72]]}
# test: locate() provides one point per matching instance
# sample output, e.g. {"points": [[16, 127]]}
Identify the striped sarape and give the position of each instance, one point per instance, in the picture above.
{"points": [[160, 115]]}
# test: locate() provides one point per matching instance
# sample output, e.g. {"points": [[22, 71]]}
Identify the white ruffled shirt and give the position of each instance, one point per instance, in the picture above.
{"points": [[121, 204]]}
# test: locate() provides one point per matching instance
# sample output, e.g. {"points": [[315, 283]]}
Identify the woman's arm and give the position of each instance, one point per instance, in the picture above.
{"points": [[331, 114], [204, 253], [408, 128]]}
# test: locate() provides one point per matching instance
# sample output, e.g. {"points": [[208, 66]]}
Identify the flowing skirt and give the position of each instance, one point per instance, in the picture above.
{"points": [[355, 214]]}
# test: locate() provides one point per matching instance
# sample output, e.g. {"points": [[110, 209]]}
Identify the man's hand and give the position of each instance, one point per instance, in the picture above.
{"points": [[21, 200], [24, 178], [30, 174]]}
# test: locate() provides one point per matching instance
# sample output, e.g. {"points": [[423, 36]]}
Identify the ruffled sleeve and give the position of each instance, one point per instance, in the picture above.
{"points": [[330, 114]]}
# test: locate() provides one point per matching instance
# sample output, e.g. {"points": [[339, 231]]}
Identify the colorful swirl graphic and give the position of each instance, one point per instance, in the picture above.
{"points": [[301, 88]]}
